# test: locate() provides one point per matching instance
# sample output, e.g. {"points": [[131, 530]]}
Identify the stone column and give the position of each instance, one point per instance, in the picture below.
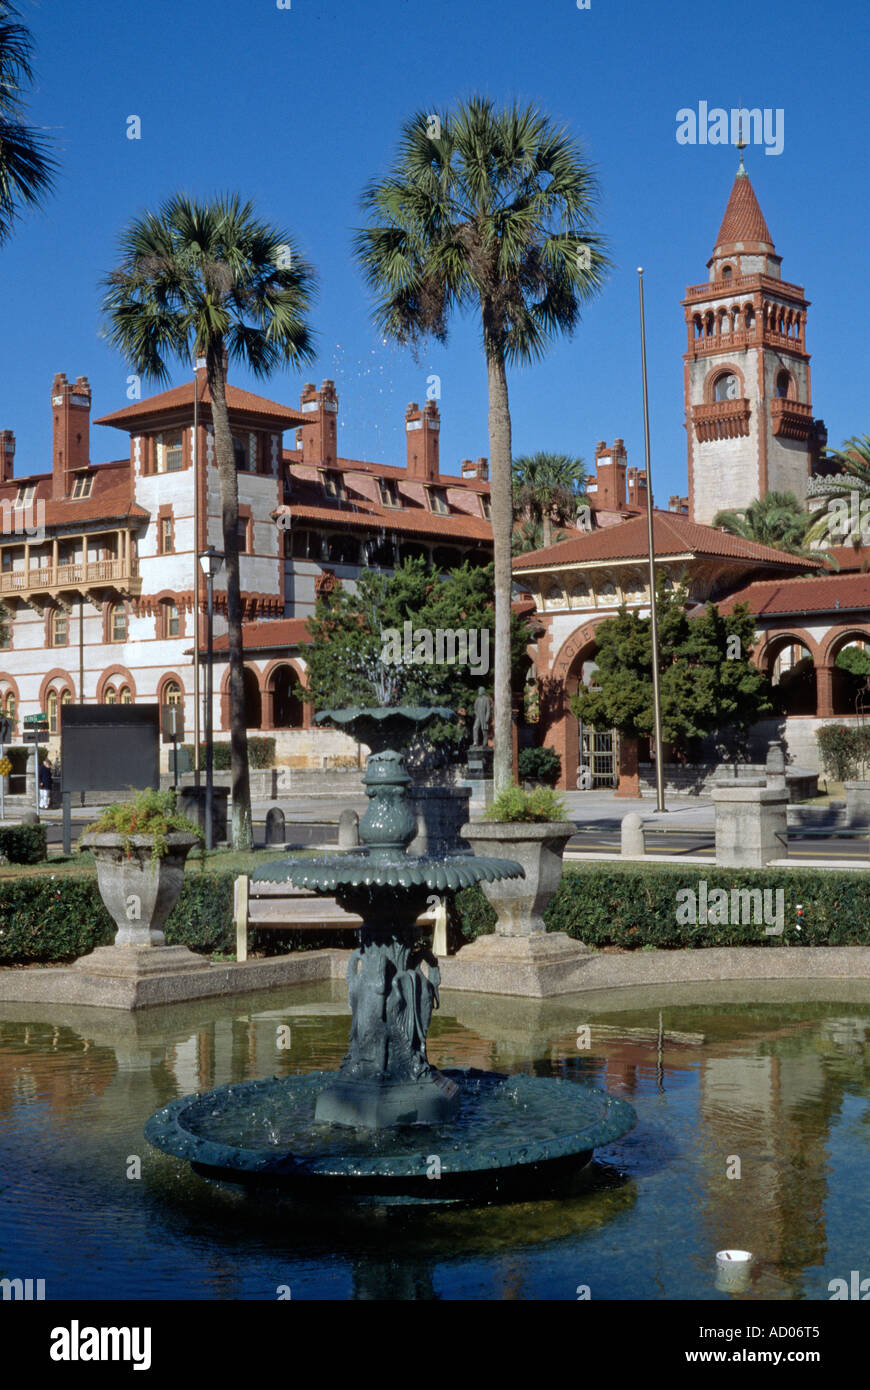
{"points": [[751, 824], [824, 692], [629, 774]]}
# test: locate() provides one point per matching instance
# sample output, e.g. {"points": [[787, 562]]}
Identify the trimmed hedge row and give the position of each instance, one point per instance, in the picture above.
{"points": [[23, 844], [604, 906], [43, 920], [261, 753]]}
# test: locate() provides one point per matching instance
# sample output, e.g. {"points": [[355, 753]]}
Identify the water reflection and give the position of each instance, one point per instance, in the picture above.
{"points": [[753, 1134]]}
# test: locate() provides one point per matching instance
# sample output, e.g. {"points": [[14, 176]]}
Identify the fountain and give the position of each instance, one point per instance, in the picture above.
{"points": [[388, 1122]]}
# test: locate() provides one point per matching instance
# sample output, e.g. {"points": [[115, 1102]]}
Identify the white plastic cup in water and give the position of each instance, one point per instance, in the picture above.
{"points": [[732, 1270]]}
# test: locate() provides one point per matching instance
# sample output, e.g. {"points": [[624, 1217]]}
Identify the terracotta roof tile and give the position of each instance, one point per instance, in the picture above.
{"points": [[279, 632], [743, 221], [179, 396], [843, 592], [388, 470], [362, 513], [673, 534]]}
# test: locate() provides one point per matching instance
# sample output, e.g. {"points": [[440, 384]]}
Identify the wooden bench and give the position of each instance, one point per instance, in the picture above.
{"points": [[281, 907]]}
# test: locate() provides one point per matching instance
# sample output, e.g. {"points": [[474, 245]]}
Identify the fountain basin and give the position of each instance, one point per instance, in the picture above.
{"points": [[509, 1134]]}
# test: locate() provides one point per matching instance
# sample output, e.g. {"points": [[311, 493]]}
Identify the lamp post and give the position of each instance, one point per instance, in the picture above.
{"points": [[211, 561], [653, 615]]}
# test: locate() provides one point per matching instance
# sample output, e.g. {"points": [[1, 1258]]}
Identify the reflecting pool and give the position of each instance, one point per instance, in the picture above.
{"points": [[753, 1133]]}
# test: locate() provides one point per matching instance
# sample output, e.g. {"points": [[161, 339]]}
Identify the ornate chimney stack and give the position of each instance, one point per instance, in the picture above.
{"points": [[7, 455], [480, 469], [71, 414], [421, 436], [319, 433], [608, 488]]}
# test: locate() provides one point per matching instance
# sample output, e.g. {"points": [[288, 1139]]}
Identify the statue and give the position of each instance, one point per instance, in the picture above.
{"points": [[482, 716]]}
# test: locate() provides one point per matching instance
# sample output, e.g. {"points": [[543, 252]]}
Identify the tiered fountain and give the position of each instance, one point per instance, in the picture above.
{"points": [[388, 1121]]}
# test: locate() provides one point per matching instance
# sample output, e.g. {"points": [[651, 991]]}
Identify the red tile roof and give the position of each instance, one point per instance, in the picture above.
{"points": [[110, 498], [388, 470], [180, 396], [743, 220], [834, 592], [263, 636], [850, 557], [362, 513], [673, 535]]}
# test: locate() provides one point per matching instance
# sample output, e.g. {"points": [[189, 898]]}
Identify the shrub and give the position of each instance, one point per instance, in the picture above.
{"points": [[540, 765], [839, 751], [149, 813], [514, 804], [23, 844], [261, 752]]}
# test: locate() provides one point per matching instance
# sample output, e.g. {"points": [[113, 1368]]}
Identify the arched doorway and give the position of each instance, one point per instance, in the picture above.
{"points": [[287, 711], [848, 685], [253, 702], [597, 749], [791, 669]]}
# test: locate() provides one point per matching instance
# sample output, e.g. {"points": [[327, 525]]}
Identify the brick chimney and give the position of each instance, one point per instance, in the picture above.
{"points": [[607, 491], [320, 432], [637, 487], [480, 469], [421, 438], [7, 455], [71, 414]]}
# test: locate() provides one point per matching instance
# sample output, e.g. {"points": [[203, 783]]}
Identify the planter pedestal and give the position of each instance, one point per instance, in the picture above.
{"points": [[537, 966], [140, 961]]}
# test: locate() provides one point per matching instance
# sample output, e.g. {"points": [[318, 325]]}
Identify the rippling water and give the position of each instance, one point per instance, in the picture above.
{"points": [[774, 1088]]}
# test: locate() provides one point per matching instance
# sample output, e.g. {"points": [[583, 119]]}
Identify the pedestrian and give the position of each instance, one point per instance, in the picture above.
{"points": [[44, 786]]}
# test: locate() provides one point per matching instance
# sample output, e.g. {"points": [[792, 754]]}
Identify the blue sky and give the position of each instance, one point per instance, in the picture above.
{"points": [[299, 108]]}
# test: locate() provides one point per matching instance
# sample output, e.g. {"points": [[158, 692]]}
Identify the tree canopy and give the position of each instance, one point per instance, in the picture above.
{"points": [[708, 683]]}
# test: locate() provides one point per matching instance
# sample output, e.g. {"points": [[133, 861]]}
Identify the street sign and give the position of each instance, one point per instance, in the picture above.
{"points": [[34, 735], [35, 721], [172, 719]]}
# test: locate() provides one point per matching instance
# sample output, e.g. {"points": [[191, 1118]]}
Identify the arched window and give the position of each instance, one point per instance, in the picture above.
{"points": [[726, 387], [59, 628], [783, 382], [118, 623], [51, 711], [124, 696], [727, 272], [9, 707], [110, 695], [172, 693], [171, 619]]}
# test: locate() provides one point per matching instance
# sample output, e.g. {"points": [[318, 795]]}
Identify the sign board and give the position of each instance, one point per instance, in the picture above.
{"points": [[32, 721], [109, 747], [172, 717]]}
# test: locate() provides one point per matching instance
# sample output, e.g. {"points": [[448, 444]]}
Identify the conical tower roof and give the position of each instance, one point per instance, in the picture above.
{"points": [[743, 226]]}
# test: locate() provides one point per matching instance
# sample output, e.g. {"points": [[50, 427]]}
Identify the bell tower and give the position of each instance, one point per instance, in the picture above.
{"points": [[749, 416]]}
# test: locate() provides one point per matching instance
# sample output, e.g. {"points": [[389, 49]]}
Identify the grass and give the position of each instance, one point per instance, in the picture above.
{"points": [[834, 791], [218, 861]]}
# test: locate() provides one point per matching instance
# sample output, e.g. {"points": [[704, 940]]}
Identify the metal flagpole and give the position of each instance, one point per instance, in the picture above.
{"points": [[196, 757], [654, 626]]}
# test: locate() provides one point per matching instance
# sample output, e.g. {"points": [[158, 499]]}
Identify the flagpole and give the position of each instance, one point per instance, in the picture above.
{"points": [[654, 625]]}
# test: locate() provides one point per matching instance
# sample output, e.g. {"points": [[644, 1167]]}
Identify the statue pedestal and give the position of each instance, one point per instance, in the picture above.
{"points": [[374, 1104], [479, 764]]}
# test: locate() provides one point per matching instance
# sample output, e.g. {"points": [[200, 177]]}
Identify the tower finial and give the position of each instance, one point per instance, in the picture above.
{"points": [[740, 142]]}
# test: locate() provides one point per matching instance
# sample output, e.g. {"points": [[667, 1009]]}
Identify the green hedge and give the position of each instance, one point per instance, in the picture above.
{"points": [[43, 919], [261, 753], [23, 844], [610, 906], [539, 765]]}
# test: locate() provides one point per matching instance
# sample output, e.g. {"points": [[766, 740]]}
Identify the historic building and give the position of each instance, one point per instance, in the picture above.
{"points": [[750, 429], [98, 567]]}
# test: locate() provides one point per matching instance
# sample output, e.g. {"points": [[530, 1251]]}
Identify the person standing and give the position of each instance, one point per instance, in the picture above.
{"points": [[44, 786]]}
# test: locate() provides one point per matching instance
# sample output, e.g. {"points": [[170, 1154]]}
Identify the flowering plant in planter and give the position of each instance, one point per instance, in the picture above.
{"points": [[151, 813], [513, 804]]}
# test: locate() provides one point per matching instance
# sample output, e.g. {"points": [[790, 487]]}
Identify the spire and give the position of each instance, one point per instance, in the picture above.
{"points": [[743, 226]]}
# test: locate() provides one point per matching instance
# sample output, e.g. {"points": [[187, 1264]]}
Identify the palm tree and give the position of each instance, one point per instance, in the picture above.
{"points": [[777, 520], [212, 280], [850, 473], [489, 211], [26, 168], [549, 488]]}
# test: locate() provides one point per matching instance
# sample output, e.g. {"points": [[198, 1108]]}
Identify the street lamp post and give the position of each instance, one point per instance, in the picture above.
{"points": [[653, 615], [211, 562]]}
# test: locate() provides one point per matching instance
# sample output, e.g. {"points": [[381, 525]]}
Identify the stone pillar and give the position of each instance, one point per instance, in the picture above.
{"points": [[751, 824], [632, 836], [824, 692], [629, 774], [775, 767]]}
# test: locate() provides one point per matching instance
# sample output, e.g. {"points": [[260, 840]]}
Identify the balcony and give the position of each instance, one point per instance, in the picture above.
{"points": [[54, 581], [791, 419], [721, 420]]}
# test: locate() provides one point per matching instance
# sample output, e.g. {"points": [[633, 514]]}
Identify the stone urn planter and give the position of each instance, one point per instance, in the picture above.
{"points": [[138, 890], [538, 846]]}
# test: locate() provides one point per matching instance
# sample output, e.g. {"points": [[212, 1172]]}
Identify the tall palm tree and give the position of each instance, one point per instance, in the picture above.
{"points": [[489, 211], [850, 473], [549, 488], [777, 520], [26, 167], [210, 279]]}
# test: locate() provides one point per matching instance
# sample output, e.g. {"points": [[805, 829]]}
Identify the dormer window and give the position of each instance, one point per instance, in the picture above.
{"points": [[25, 496], [438, 501], [170, 453], [82, 486], [486, 508], [333, 485], [389, 492]]}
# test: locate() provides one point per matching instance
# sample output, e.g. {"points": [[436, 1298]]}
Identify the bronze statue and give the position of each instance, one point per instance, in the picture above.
{"points": [[482, 716]]}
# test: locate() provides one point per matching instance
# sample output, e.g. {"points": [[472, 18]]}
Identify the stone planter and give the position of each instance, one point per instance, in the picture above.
{"points": [[538, 847], [138, 890]]}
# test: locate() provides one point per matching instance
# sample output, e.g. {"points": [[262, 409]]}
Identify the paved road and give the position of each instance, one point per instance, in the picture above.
{"points": [[684, 844]]}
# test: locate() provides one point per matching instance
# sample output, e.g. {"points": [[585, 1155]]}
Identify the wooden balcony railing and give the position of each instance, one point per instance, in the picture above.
{"points": [[46, 578]]}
